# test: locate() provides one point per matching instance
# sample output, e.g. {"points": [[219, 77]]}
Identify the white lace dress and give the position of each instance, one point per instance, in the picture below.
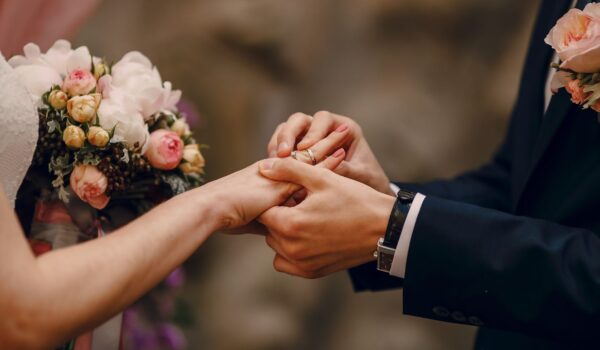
{"points": [[18, 130]]}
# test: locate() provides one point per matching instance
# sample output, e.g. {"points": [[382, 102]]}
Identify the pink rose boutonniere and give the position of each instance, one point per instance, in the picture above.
{"points": [[576, 40]]}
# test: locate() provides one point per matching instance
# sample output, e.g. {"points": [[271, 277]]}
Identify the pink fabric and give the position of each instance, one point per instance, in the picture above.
{"points": [[40, 21], [84, 342]]}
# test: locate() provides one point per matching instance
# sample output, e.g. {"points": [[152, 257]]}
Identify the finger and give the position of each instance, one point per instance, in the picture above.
{"points": [[299, 196], [322, 124], [272, 145], [329, 144], [332, 162], [276, 218], [281, 264], [290, 170], [296, 125]]}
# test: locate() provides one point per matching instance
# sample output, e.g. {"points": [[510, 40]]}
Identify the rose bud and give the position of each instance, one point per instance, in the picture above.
{"points": [[194, 161], [90, 184], [58, 99], [165, 149], [74, 137], [83, 108], [79, 82], [181, 127], [100, 69], [98, 137]]}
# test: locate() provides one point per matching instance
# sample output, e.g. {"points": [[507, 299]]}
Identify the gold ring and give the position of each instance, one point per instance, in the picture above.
{"points": [[312, 157]]}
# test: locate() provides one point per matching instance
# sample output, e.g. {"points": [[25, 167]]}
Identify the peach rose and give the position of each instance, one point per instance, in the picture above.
{"points": [[90, 184], [79, 82], [165, 149], [576, 39], [596, 106], [578, 95]]}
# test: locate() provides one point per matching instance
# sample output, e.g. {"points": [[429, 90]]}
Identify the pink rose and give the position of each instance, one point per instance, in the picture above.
{"points": [[165, 149], [576, 39], [79, 82], [574, 88], [90, 184]]}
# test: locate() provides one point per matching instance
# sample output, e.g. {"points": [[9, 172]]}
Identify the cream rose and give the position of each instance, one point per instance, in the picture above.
{"points": [[98, 137], [74, 137], [194, 161], [89, 184], [576, 39], [181, 127], [83, 108], [58, 99]]}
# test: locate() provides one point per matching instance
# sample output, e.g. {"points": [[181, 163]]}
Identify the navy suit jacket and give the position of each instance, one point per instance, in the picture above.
{"points": [[514, 247]]}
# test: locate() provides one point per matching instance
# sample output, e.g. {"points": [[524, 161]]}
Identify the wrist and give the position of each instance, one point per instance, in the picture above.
{"points": [[378, 225], [206, 216]]}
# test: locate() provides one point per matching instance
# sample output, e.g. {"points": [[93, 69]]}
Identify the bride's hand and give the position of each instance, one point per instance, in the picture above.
{"points": [[323, 133], [241, 197]]}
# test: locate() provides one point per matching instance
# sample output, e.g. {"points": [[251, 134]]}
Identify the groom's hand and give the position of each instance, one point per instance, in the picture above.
{"points": [[321, 133], [336, 227]]}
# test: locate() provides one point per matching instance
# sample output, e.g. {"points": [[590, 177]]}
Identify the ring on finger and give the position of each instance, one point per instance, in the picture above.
{"points": [[295, 155], [311, 155]]}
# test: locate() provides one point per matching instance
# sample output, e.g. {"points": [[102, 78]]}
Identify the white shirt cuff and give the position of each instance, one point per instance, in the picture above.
{"points": [[399, 263], [394, 188]]}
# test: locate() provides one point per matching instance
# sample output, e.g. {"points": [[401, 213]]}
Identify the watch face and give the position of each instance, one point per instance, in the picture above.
{"points": [[384, 261], [406, 195]]}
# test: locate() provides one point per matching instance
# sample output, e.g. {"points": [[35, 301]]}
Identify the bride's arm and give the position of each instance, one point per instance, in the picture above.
{"points": [[45, 300]]}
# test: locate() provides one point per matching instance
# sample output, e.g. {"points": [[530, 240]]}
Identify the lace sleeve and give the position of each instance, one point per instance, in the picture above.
{"points": [[18, 130]]}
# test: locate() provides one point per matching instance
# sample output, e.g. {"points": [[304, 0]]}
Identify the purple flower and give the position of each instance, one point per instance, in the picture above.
{"points": [[172, 337], [189, 111], [176, 279]]}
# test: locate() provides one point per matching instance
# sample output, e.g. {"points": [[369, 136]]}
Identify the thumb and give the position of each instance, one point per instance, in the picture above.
{"points": [[290, 170]]}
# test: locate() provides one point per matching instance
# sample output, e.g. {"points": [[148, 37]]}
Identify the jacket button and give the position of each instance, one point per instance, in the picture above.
{"points": [[458, 316], [441, 311], [475, 321]]}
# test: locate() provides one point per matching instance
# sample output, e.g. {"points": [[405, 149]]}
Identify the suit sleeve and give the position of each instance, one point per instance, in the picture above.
{"points": [[488, 186], [469, 263]]}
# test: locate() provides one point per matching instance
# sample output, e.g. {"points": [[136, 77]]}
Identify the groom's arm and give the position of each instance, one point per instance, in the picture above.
{"points": [[488, 186], [473, 265]]}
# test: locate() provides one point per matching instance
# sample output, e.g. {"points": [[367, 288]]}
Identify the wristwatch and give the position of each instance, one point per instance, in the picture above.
{"points": [[386, 246]]}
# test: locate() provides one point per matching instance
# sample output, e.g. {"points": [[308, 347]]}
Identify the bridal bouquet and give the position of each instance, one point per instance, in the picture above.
{"points": [[108, 130], [111, 145], [576, 40]]}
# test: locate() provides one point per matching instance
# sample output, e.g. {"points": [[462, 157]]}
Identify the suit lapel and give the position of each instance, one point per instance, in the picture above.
{"points": [[555, 115], [543, 129]]}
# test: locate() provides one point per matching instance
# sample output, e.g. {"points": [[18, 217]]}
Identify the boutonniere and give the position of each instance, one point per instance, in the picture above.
{"points": [[576, 40]]}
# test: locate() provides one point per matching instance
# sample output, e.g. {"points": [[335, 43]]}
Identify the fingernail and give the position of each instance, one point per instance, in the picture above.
{"points": [[338, 153], [283, 147], [342, 128], [267, 164]]}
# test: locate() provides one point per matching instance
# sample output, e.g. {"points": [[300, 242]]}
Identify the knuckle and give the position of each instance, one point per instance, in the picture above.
{"points": [[298, 116], [322, 115], [293, 251]]}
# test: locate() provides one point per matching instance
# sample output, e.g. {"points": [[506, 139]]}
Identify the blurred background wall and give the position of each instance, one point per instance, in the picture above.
{"points": [[431, 82]]}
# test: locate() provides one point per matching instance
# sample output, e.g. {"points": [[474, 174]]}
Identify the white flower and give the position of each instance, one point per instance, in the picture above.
{"points": [[38, 80], [40, 71], [120, 110], [135, 76]]}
